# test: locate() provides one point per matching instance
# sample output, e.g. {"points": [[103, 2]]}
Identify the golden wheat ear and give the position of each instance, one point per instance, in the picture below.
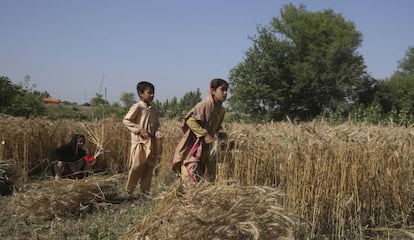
{"points": [[94, 133]]}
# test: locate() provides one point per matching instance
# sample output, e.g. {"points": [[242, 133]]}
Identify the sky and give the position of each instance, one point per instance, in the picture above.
{"points": [[74, 49]]}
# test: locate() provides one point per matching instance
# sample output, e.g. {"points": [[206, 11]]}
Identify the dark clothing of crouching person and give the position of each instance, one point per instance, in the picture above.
{"points": [[70, 160]]}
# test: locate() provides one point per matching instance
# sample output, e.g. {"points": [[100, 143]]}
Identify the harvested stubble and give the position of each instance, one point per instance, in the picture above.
{"points": [[64, 198], [208, 211]]}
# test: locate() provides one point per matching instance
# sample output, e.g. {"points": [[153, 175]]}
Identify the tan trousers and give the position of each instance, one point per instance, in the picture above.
{"points": [[140, 168]]}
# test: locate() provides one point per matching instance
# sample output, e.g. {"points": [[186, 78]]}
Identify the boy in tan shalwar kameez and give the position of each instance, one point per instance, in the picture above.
{"points": [[143, 122], [200, 127]]}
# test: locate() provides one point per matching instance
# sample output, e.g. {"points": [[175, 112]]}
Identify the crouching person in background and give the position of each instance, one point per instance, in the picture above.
{"points": [[70, 160]]}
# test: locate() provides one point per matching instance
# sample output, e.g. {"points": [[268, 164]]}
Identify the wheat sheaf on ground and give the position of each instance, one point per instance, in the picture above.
{"points": [[209, 211], [50, 198]]}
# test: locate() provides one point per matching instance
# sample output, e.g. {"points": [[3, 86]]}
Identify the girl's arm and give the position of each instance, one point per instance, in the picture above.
{"points": [[90, 159], [195, 127], [199, 131]]}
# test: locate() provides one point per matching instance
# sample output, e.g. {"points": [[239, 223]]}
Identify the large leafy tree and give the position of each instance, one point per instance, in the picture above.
{"points": [[406, 65], [300, 65], [397, 92], [190, 99], [127, 99]]}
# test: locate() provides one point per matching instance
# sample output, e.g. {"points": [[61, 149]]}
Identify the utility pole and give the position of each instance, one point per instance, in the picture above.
{"points": [[100, 86], [105, 95]]}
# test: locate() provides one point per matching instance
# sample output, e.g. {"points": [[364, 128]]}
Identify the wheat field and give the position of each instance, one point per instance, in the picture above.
{"points": [[345, 181]]}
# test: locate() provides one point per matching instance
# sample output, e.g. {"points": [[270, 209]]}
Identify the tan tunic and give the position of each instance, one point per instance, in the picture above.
{"points": [[143, 153], [206, 117]]}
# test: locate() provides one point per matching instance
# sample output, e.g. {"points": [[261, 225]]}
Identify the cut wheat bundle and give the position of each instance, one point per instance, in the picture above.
{"points": [[64, 198], [94, 134], [209, 211]]}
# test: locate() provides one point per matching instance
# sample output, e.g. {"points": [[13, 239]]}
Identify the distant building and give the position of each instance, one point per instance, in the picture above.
{"points": [[51, 100]]}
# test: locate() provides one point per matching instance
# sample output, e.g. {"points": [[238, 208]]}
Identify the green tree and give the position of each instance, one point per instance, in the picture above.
{"points": [[8, 91], [127, 99], [190, 99], [406, 65], [21, 99], [98, 100], [174, 109], [396, 94], [161, 107], [43, 94], [367, 90], [27, 104], [301, 65]]}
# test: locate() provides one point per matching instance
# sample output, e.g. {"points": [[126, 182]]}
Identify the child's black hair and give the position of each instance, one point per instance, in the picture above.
{"points": [[217, 82], [141, 86]]}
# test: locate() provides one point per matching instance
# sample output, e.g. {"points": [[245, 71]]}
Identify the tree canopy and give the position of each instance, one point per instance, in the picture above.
{"points": [[7, 92], [127, 99], [20, 99], [406, 65], [302, 64], [397, 92]]}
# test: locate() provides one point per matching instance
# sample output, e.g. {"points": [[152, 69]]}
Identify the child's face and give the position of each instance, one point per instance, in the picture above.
{"points": [[81, 142], [147, 96], [220, 94]]}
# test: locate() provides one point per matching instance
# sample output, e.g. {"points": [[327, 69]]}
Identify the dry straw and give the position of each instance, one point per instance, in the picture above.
{"points": [[64, 198], [208, 211], [347, 180], [94, 134]]}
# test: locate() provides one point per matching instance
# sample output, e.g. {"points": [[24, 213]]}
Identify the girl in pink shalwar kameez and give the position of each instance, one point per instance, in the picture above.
{"points": [[200, 126], [143, 122]]}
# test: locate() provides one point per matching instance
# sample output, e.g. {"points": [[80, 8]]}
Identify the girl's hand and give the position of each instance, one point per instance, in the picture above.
{"points": [[98, 152], [208, 138]]}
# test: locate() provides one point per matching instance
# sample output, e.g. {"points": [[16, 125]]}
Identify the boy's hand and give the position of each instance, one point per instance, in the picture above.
{"points": [[159, 135], [144, 133]]}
